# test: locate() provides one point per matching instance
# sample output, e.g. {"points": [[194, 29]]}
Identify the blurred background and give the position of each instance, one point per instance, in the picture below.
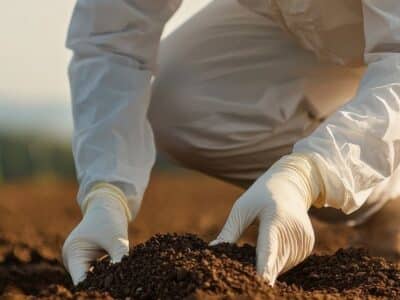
{"points": [[35, 115]]}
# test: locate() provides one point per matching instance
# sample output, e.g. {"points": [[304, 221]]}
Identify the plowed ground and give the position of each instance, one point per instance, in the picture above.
{"points": [[35, 218]]}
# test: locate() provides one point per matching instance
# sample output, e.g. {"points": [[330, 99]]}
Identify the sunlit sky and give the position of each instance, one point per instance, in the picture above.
{"points": [[33, 59]]}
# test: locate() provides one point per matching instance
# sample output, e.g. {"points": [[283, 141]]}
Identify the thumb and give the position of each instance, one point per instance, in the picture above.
{"points": [[239, 219], [77, 256], [118, 250]]}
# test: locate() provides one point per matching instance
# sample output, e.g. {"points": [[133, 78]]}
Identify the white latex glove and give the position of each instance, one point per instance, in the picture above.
{"points": [[280, 200], [104, 227]]}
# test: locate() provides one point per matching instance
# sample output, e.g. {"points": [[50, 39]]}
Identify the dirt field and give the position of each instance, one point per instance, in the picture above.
{"points": [[36, 217]]}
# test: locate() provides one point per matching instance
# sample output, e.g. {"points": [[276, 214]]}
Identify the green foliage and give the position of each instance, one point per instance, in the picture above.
{"points": [[30, 156]]}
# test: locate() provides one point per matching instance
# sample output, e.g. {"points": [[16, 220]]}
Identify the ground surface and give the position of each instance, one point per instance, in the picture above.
{"points": [[172, 266], [36, 217]]}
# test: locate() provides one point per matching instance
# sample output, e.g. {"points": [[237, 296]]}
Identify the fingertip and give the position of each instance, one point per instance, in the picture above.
{"points": [[76, 257], [215, 242], [230, 233], [268, 276], [267, 273], [119, 250], [267, 255], [238, 220], [78, 278], [78, 271], [65, 252]]}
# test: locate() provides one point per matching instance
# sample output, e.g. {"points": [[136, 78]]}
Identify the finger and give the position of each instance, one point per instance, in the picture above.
{"points": [[77, 256], [239, 219], [269, 258], [118, 250]]}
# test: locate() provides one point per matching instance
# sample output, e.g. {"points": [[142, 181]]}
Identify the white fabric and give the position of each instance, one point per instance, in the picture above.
{"points": [[104, 227], [280, 200], [231, 102], [358, 147], [115, 48], [333, 30]]}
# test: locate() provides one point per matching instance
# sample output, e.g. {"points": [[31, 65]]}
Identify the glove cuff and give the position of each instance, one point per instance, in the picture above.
{"points": [[111, 191], [306, 177]]}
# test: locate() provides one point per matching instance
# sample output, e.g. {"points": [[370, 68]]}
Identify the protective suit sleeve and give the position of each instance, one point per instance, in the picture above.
{"points": [[359, 145], [115, 45]]}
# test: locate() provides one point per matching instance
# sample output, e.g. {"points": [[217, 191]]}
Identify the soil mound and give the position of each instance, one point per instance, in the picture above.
{"points": [[179, 266], [175, 266], [351, 272], [183, 266]]}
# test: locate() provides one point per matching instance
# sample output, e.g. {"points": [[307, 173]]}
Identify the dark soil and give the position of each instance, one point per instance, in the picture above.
{"points": [[184, 266], [351, 272], [28, 271], [180, 266], [174, 267], [36, 217]]}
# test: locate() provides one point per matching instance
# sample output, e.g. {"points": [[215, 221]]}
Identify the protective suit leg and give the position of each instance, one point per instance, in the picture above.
{"points": [[230, 97]]}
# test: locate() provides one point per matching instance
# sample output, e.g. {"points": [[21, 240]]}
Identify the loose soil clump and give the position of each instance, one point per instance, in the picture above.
{"points": [[184, 266], [176, 266], [351, 272]]}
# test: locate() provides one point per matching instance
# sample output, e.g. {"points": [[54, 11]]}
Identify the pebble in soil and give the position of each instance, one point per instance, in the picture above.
{"points": [[174, 266]]}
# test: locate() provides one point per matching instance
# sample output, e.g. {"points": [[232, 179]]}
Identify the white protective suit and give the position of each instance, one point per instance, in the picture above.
{"points": [[234, 91]]}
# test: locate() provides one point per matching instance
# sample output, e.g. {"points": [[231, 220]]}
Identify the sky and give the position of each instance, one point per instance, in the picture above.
{"points": [[34, 91]]}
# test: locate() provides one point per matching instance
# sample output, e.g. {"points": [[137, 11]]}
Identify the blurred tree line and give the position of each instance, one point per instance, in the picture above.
{"points": [[30, 156]]}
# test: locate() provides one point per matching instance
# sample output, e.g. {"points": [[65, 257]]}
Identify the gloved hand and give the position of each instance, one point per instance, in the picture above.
{"points": [[280, 200], [104, 227]]}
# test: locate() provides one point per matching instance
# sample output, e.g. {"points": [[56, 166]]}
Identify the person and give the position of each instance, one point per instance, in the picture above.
{"points": [[299, 101]]}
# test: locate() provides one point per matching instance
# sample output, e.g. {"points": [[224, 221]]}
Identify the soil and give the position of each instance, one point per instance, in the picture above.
{"points": [[177, 266], [174, 267], [35, 218]]}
